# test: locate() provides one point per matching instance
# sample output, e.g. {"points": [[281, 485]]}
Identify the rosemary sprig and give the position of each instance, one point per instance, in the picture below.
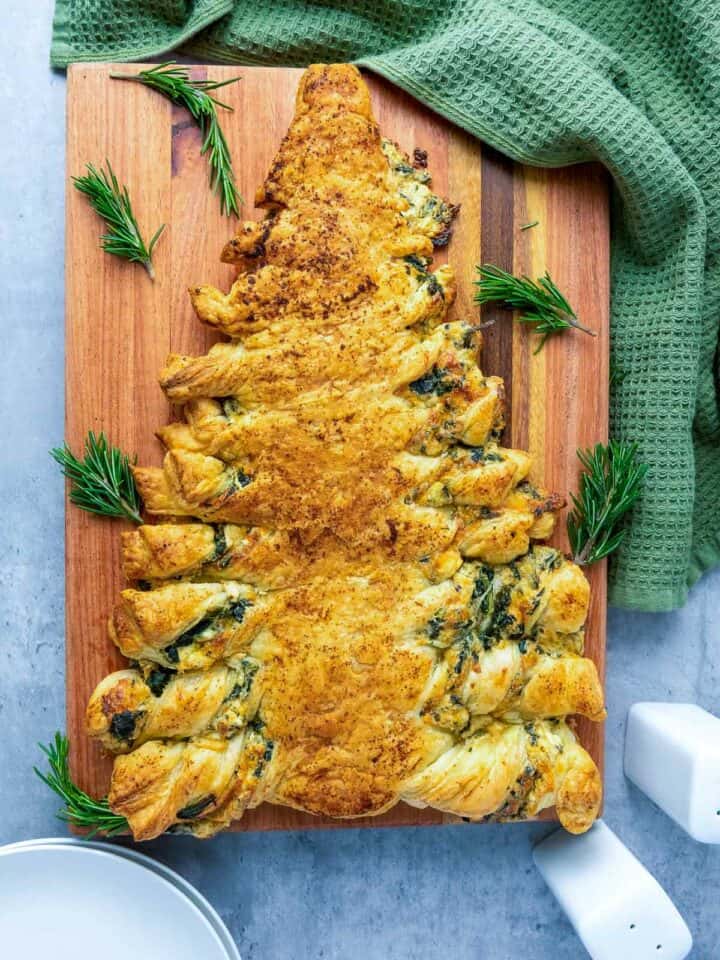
{"points": [[611, 484], [175, 83], [112, 202], [102, 482], [540, 303], [79, 809]]}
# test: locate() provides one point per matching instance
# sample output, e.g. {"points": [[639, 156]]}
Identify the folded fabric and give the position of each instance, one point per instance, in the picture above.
{"points": [[549, 82]]}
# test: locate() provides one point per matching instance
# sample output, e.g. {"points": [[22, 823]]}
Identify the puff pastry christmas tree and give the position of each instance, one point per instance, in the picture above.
{"points": [[345, 605]]}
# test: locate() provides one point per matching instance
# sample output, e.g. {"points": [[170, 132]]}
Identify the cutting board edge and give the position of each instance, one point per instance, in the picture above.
{"points": [[76, 72]]}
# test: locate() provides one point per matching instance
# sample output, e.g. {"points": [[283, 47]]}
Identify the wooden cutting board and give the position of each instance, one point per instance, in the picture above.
{"points": [[121, 326]]}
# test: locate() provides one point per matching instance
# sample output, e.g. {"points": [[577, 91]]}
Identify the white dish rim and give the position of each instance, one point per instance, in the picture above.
{"points": [[210, 914]]}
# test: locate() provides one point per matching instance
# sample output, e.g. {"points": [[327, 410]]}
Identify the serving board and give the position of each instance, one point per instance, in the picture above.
{"points": [[121, 325]]}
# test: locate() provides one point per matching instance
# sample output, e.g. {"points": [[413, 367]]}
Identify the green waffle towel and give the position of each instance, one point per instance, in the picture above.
{"points": [[633, 84]]}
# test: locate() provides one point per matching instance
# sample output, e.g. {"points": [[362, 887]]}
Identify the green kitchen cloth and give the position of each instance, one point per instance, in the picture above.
{"points": [[634, 84]]}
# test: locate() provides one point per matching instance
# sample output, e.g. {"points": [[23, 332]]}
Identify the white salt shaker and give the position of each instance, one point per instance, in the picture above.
{"points": [[618, 909], [672, 752]]}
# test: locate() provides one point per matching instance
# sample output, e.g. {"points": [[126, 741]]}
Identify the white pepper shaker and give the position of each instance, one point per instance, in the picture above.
{"points": [[618, 909], [672, 753]]}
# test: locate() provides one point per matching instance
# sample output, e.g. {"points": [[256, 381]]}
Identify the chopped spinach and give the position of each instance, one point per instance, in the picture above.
{"points": [[242, 687], [536, 601], [185, 639], [464, 651], [501, 618], [434, 286], [158, 679], [491, 615], [265, 758], [552, 561], [122, 725], [434, 381], [527, 488], [193, 810], [239, 479], [435, 625], [481, 455], [420, 263], [238, 608], [220, 544], [230, 406], [482, 589], [192, 632]]}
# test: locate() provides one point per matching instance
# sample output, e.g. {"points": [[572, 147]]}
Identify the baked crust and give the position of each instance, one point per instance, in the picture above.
{"points": [[357, 611]]}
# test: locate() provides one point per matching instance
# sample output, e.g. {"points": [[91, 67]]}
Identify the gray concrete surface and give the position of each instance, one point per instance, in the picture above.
{"points": [[469, 893]]}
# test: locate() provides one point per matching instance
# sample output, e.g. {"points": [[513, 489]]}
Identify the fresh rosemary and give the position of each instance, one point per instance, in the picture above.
{"points": [[102, 482], [539, 303], [609, 487], [80, 809], [175, 83], [112, 202]]}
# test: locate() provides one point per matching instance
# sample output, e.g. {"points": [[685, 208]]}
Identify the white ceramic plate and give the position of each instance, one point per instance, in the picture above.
{"points": [[77, 900]]}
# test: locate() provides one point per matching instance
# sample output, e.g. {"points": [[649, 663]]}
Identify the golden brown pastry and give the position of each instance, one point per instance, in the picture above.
{"points": [[357, 611]]}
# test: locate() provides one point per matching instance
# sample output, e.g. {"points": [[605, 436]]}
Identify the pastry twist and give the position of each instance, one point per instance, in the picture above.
{"points": [[359, 611]]}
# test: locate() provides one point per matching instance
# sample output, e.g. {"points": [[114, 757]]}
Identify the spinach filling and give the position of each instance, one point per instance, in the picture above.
{"points": [[434, 287], [158, 679], [220, 545], [122, 725], [404, 168], [490, 602], [434, 381], [421, 265], [553, 561], [236, 610], [435, 625], [239, 480], [482, 591], [230, 406], [442, 632], [481, 455], [193, 810], [464, 651], [242, 687], [265, 758], [527, 488], [185, 639], [532, 735]]}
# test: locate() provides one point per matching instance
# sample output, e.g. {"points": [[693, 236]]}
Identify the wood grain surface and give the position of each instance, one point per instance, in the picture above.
{"points": [[121, 326]]}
